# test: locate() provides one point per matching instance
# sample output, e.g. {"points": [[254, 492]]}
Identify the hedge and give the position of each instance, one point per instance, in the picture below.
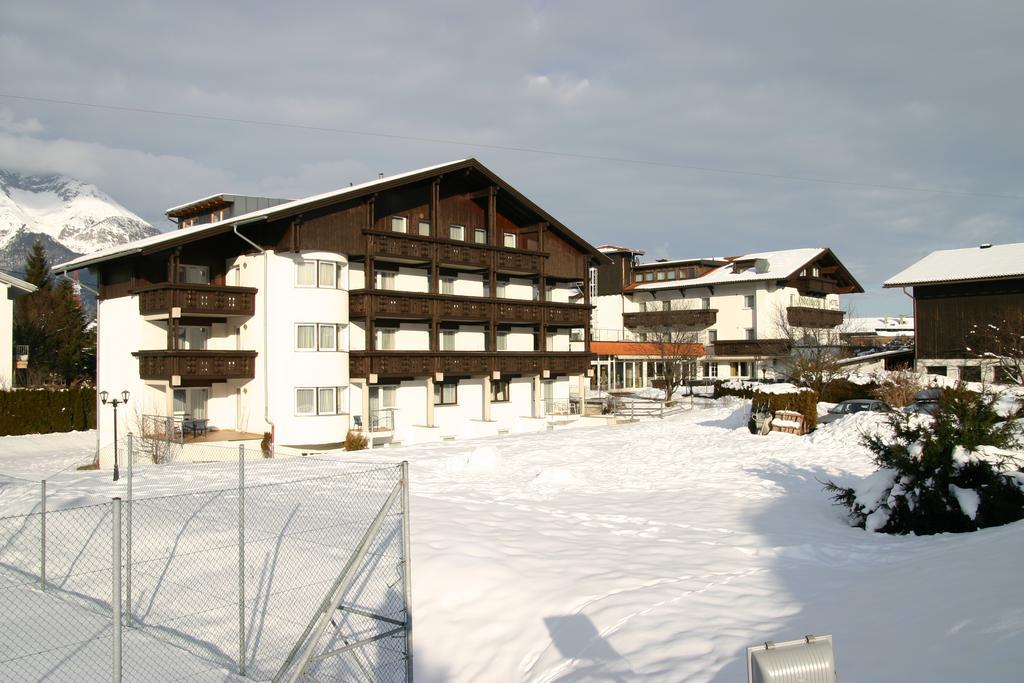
{"points": [[804, 402], [43, 411]]}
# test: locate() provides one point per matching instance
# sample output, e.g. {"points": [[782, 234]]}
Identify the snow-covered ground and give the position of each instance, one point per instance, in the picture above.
{"points": [[657, 551]]}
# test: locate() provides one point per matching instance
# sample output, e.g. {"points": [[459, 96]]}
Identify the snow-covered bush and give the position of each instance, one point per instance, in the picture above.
{"points": [[953, 472], [898, 388]]}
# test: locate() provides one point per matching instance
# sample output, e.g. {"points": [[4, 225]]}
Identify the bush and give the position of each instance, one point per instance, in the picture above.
{"points": [[949, 474], [43, 411], [355, 441], [267, 445], [898, 388]]}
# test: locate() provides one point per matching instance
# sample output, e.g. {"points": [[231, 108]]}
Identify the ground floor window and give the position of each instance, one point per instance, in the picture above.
{"points": [[499, 390], [711, 369], [191, 402], [970, 373], [936, 370], [317, 400], [446, 393], [739, 369]]}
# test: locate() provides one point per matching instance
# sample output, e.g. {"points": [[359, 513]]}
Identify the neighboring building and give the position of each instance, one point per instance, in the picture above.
{"points": [[959, 295], [420, 306], [10, 288], [889, 332], [733, 310]]}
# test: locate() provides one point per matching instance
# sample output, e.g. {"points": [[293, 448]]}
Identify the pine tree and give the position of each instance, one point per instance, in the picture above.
{"points": [[37, 267]]}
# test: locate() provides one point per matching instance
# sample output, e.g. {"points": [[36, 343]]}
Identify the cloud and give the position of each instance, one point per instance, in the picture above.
{"points": [[9, 124], [563, 89]]}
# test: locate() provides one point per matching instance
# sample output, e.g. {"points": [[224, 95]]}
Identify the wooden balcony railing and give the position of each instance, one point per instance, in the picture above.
{"points": [[215, 366], [387, 245], [473, 363], [463, 255], [693, 318], [195, 299], [422, 248], [749, 347], [422, 306], [815, 285], [510, 261], [804, 316]]}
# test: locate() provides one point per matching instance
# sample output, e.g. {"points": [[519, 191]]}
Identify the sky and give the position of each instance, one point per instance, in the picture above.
{"points": [[684, 129]]}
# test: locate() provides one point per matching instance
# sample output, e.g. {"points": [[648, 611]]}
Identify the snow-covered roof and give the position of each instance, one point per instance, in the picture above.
{"points": [[197, 231], [613, 249], [987, 262], [680, 261], [777, 265], [201, 200], [16, 282], [883, 326]]}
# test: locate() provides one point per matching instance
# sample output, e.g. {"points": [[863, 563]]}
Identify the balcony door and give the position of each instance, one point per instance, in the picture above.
{"points": [[193, 337], [196, 275], [191, 402]]}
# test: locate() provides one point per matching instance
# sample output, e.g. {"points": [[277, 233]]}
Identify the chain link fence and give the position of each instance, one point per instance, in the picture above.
{"points": [[266, 569]]}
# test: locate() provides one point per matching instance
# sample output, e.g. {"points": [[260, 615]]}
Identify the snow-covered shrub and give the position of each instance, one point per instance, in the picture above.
{"points": [[898, 388], [355, 441], [953, 472], [841, 389], [773, 397]]}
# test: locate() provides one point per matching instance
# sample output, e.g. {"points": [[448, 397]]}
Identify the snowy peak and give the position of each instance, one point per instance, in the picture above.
{"points": [[76, 215]]}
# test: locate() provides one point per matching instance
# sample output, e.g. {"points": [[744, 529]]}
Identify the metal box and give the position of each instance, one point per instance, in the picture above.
{"points": [[808, 660]]}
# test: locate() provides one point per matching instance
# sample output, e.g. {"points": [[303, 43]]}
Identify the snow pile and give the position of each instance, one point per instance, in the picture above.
{"points": [[778, 388]]}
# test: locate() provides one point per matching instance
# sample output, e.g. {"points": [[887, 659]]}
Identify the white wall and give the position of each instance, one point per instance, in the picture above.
{"points": [[520, 339], [519, 288]]}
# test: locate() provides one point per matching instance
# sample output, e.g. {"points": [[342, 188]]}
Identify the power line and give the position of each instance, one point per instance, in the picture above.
{"points": [[512, 148]]}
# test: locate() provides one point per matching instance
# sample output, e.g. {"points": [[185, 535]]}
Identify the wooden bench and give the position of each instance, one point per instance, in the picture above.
{"points": [[788, 422]]}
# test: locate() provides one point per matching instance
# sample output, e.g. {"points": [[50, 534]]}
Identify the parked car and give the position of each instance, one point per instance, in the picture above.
{"points": [[925, 402], [857, 405]]}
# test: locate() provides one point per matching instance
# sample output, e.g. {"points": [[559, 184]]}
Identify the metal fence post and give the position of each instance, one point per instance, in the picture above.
{"points": [[42, 535], [128, 535], [406, 564], [115, 588], [241, 559]]}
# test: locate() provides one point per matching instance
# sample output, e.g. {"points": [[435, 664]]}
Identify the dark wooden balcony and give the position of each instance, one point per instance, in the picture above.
{"points": [[516, 262], [472, 363], [401, 247], [692, 318], [212, 366], [379, 303], [815, 285], [749, 347], [197, 300], [806, 316], [463, 255]]}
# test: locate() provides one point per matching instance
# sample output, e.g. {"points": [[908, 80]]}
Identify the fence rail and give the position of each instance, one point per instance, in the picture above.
{"points": [[197, 584]]}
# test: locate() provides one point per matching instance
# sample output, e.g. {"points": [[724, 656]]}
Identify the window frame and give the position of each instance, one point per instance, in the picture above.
{"points": [[313, 412], [505, 240], [478, 233], [505, 387], [334, 400], [419, 228], [313, 347], [392, 332], [319, 336], [448, 285], [403, 222], [749, 301], [462, 232], [439, 393]]}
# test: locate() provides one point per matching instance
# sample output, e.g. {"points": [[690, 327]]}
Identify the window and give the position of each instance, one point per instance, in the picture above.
{"points": [[509, 239], [662, 274], [480, 236], [424, 228], [712, 336], [327, 274], [305, 401], [593, 282], [456, 232], [199, 275], [447, 285], [385, 279], [639, 277], [499, 390], [447, 340], [750, 333], [738, 369], [711, 369], [326, 401], [815, 271], [649, 277], [970, 373], [328, 337], [936, 370], [193, 337], [386, 338], [305, 274], [748, 301], [446, 393], [502, 340], [705, 303], [399, 224], [501, 289], [305, 337]]}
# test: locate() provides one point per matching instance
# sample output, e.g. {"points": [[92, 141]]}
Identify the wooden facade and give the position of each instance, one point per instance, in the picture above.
{"points": [[952, 319]]}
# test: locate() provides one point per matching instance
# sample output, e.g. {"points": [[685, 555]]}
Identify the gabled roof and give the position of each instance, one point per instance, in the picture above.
{"points": [[987, 262], [191, 234], [773, 265], [614, 249], [17, 283]]}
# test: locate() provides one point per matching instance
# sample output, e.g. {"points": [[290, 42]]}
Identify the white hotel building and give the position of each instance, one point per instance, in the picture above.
{"points": [[434, 304]]}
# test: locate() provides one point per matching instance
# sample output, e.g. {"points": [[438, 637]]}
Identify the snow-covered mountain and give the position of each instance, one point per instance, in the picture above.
{"points": [[69, 216]]}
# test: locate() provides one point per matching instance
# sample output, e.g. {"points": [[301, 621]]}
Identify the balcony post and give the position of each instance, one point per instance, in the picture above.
{"points": [[537, 397], [486, 413], [430, 401]]}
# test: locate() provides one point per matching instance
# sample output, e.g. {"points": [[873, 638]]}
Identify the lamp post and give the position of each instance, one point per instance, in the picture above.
{"points": [[114, 402]]}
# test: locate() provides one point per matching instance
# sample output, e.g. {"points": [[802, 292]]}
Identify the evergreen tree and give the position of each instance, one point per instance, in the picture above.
{"points": [[51, 322]]}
